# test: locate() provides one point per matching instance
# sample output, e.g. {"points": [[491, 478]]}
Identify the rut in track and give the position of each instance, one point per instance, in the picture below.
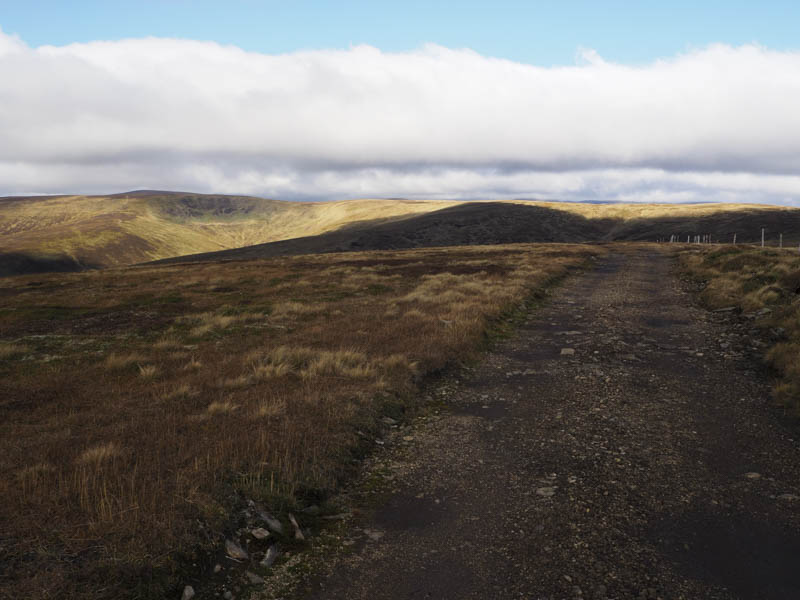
{"points": [[626, 469]]}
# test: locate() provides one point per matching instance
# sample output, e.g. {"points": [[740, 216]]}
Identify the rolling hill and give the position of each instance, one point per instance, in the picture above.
{"points": [[68, 233], [479, 223]]}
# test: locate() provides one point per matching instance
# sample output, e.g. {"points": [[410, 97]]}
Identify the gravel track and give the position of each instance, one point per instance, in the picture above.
{"points": [[609, 449]]}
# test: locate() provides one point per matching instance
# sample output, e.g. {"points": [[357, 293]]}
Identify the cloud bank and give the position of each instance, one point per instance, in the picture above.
{"points": [[719, 123]]}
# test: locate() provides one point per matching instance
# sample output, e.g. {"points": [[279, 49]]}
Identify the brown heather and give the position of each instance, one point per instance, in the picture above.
{"points": [[752, 278], [135, 403]]}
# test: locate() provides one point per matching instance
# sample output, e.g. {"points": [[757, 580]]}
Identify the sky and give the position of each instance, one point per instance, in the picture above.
{"points": [[629, 101]]}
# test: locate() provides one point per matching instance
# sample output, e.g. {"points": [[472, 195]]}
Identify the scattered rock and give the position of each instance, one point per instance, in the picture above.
{"points": [[408, 438], [228, 595], [217, 568], [789, 497], [546, 492], [374, 534], [260, 533], [235, 551], [188, 593], [270, 556], [389, 421], [567, 351], [752, 475], [253, 578], [273, 524], [298, 534]]}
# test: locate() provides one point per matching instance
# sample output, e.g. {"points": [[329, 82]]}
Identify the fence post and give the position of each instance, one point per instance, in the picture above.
{"points": [[734, 239], [762, 237]]}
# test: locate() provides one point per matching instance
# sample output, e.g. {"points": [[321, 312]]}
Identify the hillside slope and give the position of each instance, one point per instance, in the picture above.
{"points": [[473, 223], [67, 233], [504, 222], [60, 233]]}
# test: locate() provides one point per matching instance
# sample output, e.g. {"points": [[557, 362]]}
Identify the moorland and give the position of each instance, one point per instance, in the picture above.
{"points": [[255, 363], [69, 233]]}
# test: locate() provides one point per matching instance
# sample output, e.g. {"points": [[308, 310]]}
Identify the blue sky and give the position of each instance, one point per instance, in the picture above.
{"points": [[542, 33], [607, 100]]}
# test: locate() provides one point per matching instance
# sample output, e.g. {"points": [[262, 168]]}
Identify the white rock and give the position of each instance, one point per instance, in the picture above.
{"points": [[374, 534], [234, 550], [298, 534], [260, 533], [567, 351], [188, 593], [270, 556], [273, 523]]}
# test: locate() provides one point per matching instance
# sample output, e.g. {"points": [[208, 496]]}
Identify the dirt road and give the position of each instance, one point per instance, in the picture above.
{"points": [[615, 447]]}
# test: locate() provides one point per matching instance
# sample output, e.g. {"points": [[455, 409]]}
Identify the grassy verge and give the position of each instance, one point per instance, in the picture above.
{"points": [[139, 407], [765, 285]]}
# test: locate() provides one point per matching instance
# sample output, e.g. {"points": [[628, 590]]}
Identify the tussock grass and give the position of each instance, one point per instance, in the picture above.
{"points": [[122, 361], [11, 350], [205, 323], [754, 279], [193, 365], [168, 342], [148, 371], [220, 396], [221, 408], [98, 454]]}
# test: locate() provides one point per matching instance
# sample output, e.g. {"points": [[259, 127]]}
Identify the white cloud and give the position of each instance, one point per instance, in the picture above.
{"points": [[718, 123]]}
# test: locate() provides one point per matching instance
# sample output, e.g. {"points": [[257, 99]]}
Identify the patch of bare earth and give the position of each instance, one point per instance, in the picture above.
{"points": [[609, 449]]}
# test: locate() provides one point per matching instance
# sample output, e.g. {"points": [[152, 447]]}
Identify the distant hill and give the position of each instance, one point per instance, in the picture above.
{"points": [[511, 222], [67, 233]]}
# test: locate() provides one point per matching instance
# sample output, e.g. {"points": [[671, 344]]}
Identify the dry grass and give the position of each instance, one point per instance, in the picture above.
{"points": [[95, 230], [10, 350], [166, 407], [755, 279], [98, 454], [122, 361]]}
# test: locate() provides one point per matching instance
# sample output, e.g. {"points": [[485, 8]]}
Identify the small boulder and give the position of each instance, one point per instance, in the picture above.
{"points": [[273, 524], [270, 556], [235, 551]]}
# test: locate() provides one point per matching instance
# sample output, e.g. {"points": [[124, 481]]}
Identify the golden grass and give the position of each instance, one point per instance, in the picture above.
{"points": [[8, 349], [147, 371], [125, 230], [175, 405], [754, 279], [122, 361], [98, 454]]}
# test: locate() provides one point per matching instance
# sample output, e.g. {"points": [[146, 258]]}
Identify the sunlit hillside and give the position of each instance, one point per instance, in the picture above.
{"points": [[98, 231], [68, 233]]}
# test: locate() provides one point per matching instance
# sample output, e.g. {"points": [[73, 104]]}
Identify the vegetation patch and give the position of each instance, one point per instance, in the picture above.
{"points": [[765, 285], [123, 461]]}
